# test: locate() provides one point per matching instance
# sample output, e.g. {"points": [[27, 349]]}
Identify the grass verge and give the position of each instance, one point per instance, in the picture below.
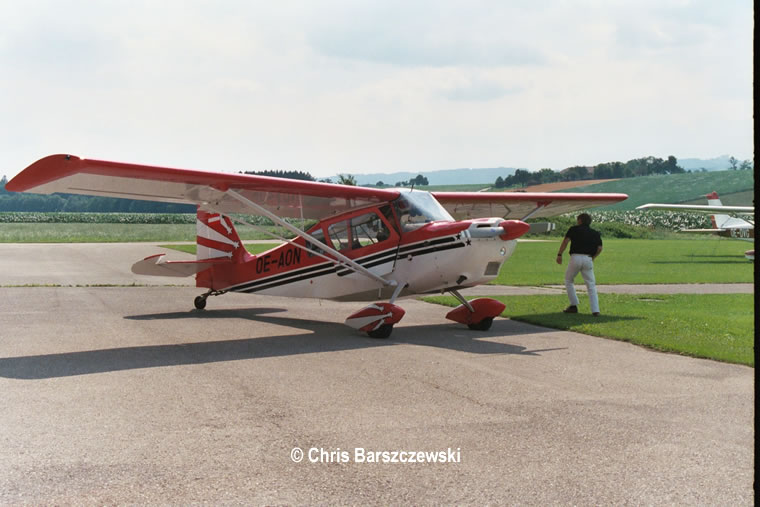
{"points": [[636, 261], [253, 248], [106, 233], [711, 326]]}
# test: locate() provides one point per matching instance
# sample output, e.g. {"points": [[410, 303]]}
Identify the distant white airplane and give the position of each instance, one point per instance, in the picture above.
{"points": [[723, 224]]}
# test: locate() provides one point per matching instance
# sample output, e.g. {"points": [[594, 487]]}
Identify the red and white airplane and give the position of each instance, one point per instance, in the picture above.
{"points": [[369, 244], [723, 224]]}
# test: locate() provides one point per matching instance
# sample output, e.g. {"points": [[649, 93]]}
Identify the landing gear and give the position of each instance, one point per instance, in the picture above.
{"points": [[483, 325], [200, 301], [376, 319], [478, 314], [382, 332]]}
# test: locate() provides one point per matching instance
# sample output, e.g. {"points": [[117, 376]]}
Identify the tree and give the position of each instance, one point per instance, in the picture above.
{"points": [[732, 162], [546, 175], [603, 171], [419, 180], [293, 175], [346, 179], [574, 173], [499, 182], [522, 177], [746, 165], [380, 184]]}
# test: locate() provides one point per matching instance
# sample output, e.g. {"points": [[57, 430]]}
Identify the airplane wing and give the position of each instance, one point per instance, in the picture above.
{"points": [[284, 197], [704, 208], [520, 205]]}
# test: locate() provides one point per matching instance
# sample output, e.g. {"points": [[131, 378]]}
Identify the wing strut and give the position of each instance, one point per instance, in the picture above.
{"points": [[339, 257], [540, 206]]}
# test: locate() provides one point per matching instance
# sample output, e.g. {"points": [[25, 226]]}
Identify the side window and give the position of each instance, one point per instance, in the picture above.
{"points": [[319, 236], [360, 231], [368, 229], [338, 233], [388, 214]]}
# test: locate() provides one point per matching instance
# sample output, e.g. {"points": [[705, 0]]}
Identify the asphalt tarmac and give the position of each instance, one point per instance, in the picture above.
{"points": [[126, 395]]}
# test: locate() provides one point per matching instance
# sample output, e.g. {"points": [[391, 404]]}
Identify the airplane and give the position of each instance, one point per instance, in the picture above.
{"points": [[723, 224], [368, 244]]}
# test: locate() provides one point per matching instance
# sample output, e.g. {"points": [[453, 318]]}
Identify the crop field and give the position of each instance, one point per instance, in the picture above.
{"points": [[673, 188], [62, 227], [712, 326], [105, 233]]}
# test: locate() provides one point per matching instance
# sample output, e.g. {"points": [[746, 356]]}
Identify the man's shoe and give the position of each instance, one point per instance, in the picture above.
{"points": [[571, 309], [595, 314]]}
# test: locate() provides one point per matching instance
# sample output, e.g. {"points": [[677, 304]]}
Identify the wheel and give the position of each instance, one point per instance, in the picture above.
{"points": [[383, 331], [200, 302], [483, 325]]}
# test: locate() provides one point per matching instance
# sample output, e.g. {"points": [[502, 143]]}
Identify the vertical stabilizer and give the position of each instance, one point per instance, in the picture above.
{"points": [[217, 238], [718, 221]]}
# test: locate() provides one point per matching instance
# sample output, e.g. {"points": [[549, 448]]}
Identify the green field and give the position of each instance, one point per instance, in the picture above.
{"points": [[712, 326], [745, 198], [105, 233], [636, 261], [672, 188], [253, 248]]}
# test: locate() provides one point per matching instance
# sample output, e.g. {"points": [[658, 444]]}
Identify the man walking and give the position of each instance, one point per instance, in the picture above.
{"points": [[585, 246]]}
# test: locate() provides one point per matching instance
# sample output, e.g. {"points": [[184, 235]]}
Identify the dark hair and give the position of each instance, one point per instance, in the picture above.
{"points": [[585, 218]]}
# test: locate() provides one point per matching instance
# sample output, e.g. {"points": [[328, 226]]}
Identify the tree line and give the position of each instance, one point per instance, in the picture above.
{"points": [[609, 170], [17, 201], [644, 166]]}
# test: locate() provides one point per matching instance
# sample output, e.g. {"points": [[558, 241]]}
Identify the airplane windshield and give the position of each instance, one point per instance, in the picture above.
{"points": [[416, 208]]}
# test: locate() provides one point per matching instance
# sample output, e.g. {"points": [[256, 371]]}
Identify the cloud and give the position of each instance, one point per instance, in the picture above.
{"points": [[481, 90], [432, 34], [360, 85]]}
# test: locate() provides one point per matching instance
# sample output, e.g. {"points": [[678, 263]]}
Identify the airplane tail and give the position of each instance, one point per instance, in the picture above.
{"points": [[720, 221], [217, 244], [216, 238]]}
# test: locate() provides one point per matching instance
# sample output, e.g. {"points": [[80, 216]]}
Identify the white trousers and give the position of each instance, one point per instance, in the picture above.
{"points": [[584, 265]]}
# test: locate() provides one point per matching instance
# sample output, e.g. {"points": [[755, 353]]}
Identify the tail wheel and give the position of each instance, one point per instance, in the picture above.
{"points": [[483, 325], [382, 332], [200, 302]]}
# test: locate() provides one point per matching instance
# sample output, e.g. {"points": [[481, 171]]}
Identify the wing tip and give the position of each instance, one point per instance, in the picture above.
{"points": [[43, 171]]}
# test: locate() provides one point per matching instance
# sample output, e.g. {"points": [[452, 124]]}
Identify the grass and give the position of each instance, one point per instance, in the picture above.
{"points": [[712, 326], [253, 248], [106, 233], [745, 198], [634, 261], [672, 188]]}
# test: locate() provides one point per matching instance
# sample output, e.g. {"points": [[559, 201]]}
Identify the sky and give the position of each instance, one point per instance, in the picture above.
{"points": [[356, 87]]}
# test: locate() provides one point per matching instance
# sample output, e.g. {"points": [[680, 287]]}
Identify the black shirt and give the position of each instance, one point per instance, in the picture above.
{"points": [[583, 240]]}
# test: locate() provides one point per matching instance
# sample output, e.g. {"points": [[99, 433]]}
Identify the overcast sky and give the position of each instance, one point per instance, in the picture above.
{"points": [[383, 86]]}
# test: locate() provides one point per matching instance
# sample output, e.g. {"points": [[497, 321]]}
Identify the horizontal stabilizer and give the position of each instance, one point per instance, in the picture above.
{"points": [[155, 265]]}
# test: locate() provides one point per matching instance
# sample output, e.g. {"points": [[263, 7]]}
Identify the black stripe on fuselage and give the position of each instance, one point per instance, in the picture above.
{"points": [[421, 248]]}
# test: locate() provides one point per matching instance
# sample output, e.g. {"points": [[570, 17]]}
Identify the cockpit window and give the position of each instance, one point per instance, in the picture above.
{"points": [[416, 208], [358, 232]]}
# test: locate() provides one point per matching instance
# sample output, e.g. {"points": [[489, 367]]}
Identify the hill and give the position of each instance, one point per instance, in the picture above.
{"points": [[711, 164], [673, 188]]}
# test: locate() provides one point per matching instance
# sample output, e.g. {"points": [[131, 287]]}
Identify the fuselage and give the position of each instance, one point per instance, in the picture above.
{"points": [[412, 241]]}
